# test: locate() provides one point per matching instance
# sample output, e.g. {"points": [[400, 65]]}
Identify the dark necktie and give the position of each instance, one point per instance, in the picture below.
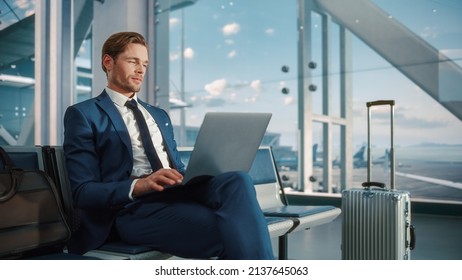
{"points": [[145, 136]]}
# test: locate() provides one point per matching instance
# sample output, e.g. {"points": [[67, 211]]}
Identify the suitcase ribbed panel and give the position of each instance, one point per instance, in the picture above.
{"points": [[375, 225]]}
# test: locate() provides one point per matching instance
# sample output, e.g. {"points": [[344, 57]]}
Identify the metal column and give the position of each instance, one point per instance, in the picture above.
{"points": [[305, 153], [54, 68]]}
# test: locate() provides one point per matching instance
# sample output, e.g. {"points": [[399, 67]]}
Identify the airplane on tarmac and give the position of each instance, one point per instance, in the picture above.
{"points": [[358, 158], [385, 160], [359, 161], [319, 162]]}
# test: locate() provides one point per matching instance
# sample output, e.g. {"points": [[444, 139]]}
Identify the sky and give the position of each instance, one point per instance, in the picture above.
{"points": [[235, 50]]}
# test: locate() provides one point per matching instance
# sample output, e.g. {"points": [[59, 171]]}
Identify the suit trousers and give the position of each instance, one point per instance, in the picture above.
{"points": [[214, 217]]}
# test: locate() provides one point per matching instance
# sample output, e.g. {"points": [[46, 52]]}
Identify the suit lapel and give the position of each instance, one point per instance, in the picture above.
{"points": [[107, 105], [163, 127], [160, 122]]}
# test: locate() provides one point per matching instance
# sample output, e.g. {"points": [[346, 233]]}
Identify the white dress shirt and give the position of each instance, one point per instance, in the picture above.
{"points": [[141, 166]]}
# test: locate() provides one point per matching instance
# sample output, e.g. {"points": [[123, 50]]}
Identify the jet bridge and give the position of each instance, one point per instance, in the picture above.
{"points": [[427, 67]]}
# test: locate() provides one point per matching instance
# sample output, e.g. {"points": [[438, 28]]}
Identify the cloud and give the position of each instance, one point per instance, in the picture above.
{"points": [[251, 99], [27, 7], [418, 123], [232, 54], [429, 32], [188, 53], [231, 29], [382, 115], [174, 56], [173, 22], [269, 31], [23, 4], [216, 87], [282, 84], [29, 12], [256, 85], [288, 100]]}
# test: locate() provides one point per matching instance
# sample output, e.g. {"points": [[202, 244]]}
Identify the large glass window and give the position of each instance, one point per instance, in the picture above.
{"points": [[237, 56], [242, 56], [428, 126]]}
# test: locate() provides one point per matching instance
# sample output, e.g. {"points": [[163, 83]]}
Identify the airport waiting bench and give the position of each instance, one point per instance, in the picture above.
{"points": [[273, 202], [282, 219]]}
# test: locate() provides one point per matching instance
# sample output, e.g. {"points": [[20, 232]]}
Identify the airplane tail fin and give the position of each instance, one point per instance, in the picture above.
{"points": [[315, 152], [359, 155]]}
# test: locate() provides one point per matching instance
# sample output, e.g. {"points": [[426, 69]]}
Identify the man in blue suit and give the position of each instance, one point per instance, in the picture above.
{"points": [[109, 171]]}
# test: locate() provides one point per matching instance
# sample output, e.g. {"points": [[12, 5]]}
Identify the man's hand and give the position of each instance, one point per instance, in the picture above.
{"points": [[157, 180]]}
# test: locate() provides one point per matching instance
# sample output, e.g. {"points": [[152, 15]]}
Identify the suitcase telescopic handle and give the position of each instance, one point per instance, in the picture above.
{"points": [[392, 150], [413, 237], [368, 185], [380, 102]]}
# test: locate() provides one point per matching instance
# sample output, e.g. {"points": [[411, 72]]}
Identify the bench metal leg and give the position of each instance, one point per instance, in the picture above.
{"points": [[283, 242]]}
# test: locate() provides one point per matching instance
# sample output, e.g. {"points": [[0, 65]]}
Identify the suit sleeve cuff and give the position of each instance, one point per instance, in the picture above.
{"points": [[132, 187]]}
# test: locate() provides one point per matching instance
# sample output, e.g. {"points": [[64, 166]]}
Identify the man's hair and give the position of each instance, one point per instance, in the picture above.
{"points": [[117, 43]]}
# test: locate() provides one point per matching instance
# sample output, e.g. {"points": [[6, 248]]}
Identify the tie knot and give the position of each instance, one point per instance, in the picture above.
{"points": [[131, 104]]}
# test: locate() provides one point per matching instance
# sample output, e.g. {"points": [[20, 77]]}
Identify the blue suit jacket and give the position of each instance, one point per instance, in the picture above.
{"points": [[99, 161]]}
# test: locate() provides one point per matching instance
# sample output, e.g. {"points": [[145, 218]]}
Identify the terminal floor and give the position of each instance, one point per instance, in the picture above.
{"points": [[437, 238]]}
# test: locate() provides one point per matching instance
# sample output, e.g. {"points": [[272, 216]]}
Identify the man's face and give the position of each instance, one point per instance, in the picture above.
{"points": [[126, 73]]}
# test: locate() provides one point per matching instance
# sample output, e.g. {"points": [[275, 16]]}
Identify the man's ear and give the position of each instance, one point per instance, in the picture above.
{"points": [[108, 62]]}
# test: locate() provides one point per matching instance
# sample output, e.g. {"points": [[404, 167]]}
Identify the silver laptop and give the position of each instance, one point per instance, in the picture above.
{"points": [[226, 142]]}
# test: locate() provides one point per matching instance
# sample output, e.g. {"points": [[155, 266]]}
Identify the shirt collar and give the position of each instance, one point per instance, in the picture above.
{"points": [[118, 98]]}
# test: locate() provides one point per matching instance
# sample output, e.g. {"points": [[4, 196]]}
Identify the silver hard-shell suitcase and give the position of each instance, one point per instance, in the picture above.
{"points": [[376, 221]]}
